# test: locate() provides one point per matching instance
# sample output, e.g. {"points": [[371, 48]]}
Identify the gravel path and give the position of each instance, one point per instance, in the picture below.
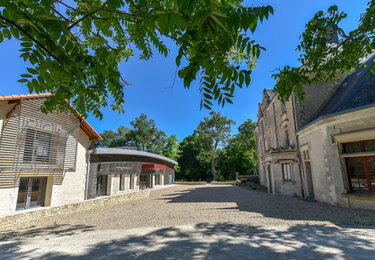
{"points": [[198, 222]]}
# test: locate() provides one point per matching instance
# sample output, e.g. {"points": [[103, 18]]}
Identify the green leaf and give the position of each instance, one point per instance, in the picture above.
{"points": [[32, 71], [7, 34], [247, 79], [26, 76], [23, 80], [26, 44]]}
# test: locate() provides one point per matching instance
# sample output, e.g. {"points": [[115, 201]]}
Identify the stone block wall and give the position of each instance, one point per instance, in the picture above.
{"points": [[71, 208]]}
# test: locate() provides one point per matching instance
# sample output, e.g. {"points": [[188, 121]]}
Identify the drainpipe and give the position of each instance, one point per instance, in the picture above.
{"points": [[274, 120], [298, 151], [87, 173]]}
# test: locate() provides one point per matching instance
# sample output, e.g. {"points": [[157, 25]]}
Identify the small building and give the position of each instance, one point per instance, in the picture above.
{"points": [[43, 157], [322, 148], [338, 145], [119, 170]]}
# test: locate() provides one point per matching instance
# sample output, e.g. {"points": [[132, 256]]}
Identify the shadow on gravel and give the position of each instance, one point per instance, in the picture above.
{"points": [[279, 207], [224, 241], [14, 239]]}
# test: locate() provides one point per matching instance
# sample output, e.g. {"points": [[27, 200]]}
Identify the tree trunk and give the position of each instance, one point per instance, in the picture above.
{"points": [[213, 169]]}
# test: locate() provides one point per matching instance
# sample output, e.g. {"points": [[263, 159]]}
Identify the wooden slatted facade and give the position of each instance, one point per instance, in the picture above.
{"points": [[34, 144]]}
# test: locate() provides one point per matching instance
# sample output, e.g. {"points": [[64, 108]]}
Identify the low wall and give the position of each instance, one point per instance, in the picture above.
{"points": [[222, 182], [190, 183], [43, 212]]}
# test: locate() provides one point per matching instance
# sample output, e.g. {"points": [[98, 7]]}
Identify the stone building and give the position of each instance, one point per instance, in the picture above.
{"points": [[119, 170], [277, 149], [333, 159], [46, 161], [43, 157]]}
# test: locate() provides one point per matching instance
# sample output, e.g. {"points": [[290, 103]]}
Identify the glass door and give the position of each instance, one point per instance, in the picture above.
{"points": [[31, 193], [37, 192], [22, 193], [143, 182], [101, 185]]}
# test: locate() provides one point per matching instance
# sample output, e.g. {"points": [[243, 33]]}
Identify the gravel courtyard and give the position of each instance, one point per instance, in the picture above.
{"points": [[198, 222]]}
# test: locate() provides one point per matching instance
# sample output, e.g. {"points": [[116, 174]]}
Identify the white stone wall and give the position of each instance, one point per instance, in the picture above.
{"points": [[73, 187], [323, 140]]}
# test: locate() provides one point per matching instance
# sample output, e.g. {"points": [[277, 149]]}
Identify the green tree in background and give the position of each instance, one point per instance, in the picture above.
{"points": [[146, 136], [192, 162], [327, 51], [74, 47], [214, 132], [171, 147], [240, 154]]}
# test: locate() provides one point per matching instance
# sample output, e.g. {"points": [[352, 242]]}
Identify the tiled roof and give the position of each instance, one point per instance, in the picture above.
{"points": [[25, 96], [357, 90], [85, 126]]}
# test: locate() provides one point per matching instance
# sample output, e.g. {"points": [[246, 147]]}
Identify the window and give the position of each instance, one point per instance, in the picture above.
{"points": [[287, 174], [361, 174], [31, 193], [131, 181], [287, 143], [361, 146], [306, 155], [38, 147], [122, 182]]}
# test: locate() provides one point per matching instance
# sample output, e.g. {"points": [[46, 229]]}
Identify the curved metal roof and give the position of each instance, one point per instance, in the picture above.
{"points": [[122, 151]]}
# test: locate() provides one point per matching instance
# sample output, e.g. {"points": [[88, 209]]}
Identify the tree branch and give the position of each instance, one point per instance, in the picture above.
{"points": [[63, 17], [88, 15], [28, 35]]}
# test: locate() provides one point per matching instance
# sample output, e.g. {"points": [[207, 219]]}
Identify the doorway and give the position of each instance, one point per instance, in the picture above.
{"points": [[31, 193], [101, 185], [269, 178], [143, 182]]}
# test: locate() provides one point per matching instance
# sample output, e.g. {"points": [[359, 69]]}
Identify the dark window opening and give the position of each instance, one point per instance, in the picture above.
{"points": [[38, 147], [361, 174], [360, 146], [122, 182]]}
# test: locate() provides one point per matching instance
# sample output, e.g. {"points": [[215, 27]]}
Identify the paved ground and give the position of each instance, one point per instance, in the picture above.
{"points": [[199, 222]]}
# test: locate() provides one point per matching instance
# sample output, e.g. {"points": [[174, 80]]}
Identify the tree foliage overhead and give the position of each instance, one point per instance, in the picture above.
{"points": [[74, 47], [328, 51]]}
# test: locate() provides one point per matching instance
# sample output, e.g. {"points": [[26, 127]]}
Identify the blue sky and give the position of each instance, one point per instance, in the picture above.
{"points": [[176, 110]]}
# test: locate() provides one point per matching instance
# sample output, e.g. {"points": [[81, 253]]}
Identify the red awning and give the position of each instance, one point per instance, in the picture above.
{"points": [[153, 166]]}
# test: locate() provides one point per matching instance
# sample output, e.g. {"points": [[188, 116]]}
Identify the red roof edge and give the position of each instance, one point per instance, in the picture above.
{"points": [[85, 126]]}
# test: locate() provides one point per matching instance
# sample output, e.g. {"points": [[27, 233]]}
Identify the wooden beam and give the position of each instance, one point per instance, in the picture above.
{"points": [[13, 101], [13, 109]]}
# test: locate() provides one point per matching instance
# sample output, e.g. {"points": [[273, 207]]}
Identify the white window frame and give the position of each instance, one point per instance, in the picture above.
{"points": [[287, 171]]}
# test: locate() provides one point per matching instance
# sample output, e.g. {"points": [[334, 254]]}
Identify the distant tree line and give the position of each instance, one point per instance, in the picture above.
{"points": [[209, 153]]}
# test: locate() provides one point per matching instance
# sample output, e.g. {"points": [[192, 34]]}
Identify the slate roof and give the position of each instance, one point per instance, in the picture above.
{"points": [[354, 92]]}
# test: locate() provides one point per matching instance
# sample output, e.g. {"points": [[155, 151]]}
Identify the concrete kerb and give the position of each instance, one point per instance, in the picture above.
{"points": [[204, 183]]}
